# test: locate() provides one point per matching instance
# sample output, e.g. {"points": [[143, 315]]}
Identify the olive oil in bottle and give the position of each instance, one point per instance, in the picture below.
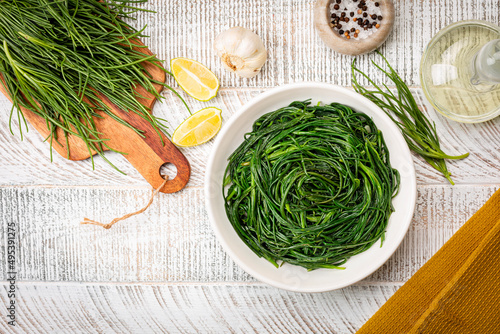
{"points": [[460, 71]]}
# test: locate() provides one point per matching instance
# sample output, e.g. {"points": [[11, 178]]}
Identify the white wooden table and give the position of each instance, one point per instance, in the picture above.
{"points": [[164, 271]]}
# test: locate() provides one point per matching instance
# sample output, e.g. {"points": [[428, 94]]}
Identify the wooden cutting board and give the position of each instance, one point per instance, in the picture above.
{"points": [[146, 154]]}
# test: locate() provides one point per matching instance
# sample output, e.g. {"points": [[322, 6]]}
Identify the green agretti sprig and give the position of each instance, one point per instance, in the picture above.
{"points": [[310, 185], [419, 132], [53, 54]]}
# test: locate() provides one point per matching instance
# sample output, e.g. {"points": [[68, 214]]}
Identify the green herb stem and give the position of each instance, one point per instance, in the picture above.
{"points": [[310, 185]]}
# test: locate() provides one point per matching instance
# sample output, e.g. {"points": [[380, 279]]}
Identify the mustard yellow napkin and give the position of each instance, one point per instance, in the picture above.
{"points": [[457, 291]]}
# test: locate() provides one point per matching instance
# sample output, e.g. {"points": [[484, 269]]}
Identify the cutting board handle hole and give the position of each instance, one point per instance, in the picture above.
{"points": [[168, 169]]}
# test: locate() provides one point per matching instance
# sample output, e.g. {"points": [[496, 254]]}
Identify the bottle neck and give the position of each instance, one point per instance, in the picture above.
{"points": [[486, 64]]}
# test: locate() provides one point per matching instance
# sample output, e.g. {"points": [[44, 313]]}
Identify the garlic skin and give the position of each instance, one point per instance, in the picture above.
{"points": [[241, 51]]}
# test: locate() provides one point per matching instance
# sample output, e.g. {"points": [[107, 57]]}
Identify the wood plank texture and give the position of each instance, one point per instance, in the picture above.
{"points": [[296, 53], [164, 271]]}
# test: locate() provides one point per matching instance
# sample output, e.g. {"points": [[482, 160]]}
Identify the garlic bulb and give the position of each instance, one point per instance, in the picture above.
{"points": [[241, 51]]}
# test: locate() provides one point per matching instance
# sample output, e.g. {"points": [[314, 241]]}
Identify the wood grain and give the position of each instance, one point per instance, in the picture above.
{"points": [[480, 168], [148, 153], [76, 148], [173, 240], [193, 308]]}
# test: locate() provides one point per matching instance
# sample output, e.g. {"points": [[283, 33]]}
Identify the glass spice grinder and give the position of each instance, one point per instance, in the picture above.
{"points": [[460, 71]]}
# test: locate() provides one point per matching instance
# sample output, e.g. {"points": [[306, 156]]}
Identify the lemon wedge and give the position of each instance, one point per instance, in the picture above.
{"points": [[194, 78], [199, 128]]}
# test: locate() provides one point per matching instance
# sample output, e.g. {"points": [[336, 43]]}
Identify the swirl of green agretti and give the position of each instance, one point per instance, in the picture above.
{"points": [[311, 185]]}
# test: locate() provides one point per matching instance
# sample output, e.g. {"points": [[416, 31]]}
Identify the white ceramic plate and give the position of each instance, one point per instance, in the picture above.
{"points": [[290, 277]]}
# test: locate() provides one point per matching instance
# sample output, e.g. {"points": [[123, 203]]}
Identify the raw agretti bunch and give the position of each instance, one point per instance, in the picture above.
{"points": [[56, 55], [311, 185]]}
